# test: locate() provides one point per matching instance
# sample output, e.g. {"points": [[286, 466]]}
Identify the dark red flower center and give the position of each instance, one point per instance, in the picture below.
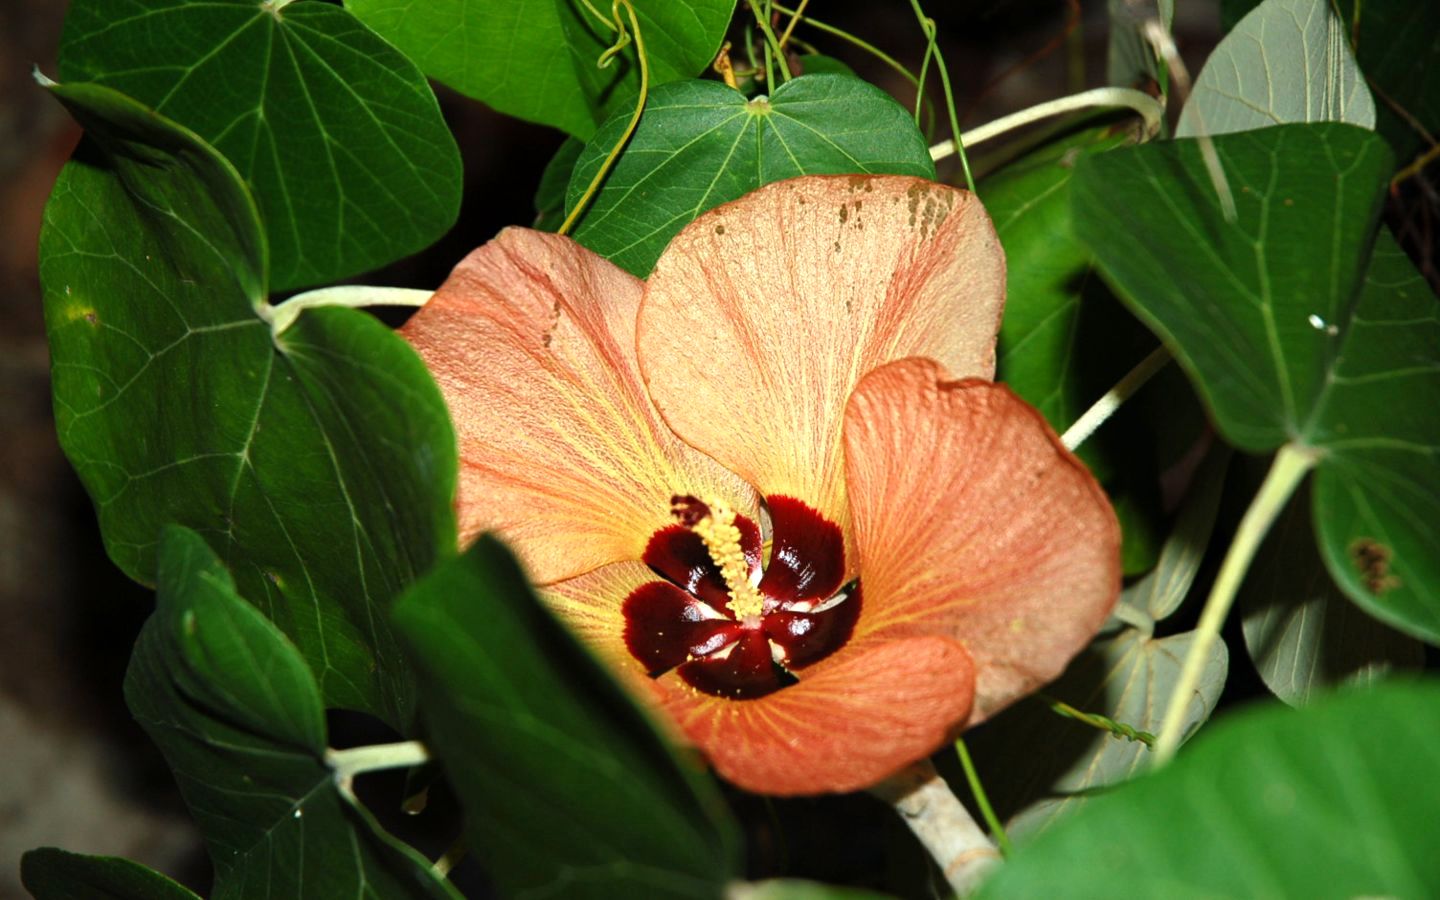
{"points": [[687, 623]]}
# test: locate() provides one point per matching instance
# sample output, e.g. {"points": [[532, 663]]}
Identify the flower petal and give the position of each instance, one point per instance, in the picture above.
{"points": [[665, 627], [974, 522], [532, 340], [762, 314], [849, 722]]}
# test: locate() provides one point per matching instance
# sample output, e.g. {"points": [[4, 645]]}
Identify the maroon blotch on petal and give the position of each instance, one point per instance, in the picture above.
{"points": [[807, 554], [664, 627], [808, 637], [748, 671]]}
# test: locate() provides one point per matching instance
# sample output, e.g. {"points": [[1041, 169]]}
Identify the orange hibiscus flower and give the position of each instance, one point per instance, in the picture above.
{"points": [[773, 484]]}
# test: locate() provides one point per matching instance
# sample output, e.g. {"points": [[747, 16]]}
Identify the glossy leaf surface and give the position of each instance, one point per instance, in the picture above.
{"points": [[237, 714], [1377, 508], [1294, 331], [336, 133], [701, 144], [569, 789], [321, 464], [537, 59], [1336, 800]]}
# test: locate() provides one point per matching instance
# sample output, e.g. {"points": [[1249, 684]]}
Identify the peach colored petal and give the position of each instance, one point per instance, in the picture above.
{"points": [[974, 522], [762, 315], [849, 722], [532, 340], [590, 605]]}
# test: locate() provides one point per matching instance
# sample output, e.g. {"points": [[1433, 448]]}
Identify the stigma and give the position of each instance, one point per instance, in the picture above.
{"points": [[713, 521]]}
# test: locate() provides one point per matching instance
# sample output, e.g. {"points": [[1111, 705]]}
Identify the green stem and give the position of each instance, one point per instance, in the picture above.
{"points": [[1103, 723], [354, 296], [772, 44], [621, 40], [1291, 465], [982, 800], [853, 40], [794, 20], [928, 26]]}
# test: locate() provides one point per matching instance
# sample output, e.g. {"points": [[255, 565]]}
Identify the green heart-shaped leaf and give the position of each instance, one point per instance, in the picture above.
{"points": [[1293, 330], [1335, 800], [537, 59], [320, 464], [239, 718], [569, 788], [701, 144], [337, 134], [1377, 510]]}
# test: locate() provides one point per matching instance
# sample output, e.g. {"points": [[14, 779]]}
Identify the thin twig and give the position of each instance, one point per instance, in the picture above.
{"points": [[1123, 390]]}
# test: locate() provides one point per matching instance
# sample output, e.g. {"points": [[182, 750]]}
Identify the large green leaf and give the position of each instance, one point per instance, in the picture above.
{"points": [[1336, 800], [537, 59], [1302, 634], [569, 790], [1377, 509], [319, 463], [1285, 334], [337, 134], [239, 718], [701, 144], [1287, 61], [51, 874], [1255, 309]]}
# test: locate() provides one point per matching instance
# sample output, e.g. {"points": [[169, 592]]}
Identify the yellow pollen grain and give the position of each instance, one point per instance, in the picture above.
{"points": [[722, 540]]}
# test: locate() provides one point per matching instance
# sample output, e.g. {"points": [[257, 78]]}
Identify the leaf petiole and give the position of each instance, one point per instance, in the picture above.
{"points": [[354, 296], [1106, 406], [982, 799], [1290, 467], [346, 764], [1150, 109]]}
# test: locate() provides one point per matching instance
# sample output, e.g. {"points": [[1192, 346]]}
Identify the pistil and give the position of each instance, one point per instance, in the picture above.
{"points": [[714, 521]]}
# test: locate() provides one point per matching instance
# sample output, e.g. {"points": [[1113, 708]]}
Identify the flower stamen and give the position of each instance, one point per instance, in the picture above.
{"points": [[714, 522]]}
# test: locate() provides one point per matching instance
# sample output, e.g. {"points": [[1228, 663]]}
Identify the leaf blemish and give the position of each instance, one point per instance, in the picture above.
{"points": [[1372, 559]]}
